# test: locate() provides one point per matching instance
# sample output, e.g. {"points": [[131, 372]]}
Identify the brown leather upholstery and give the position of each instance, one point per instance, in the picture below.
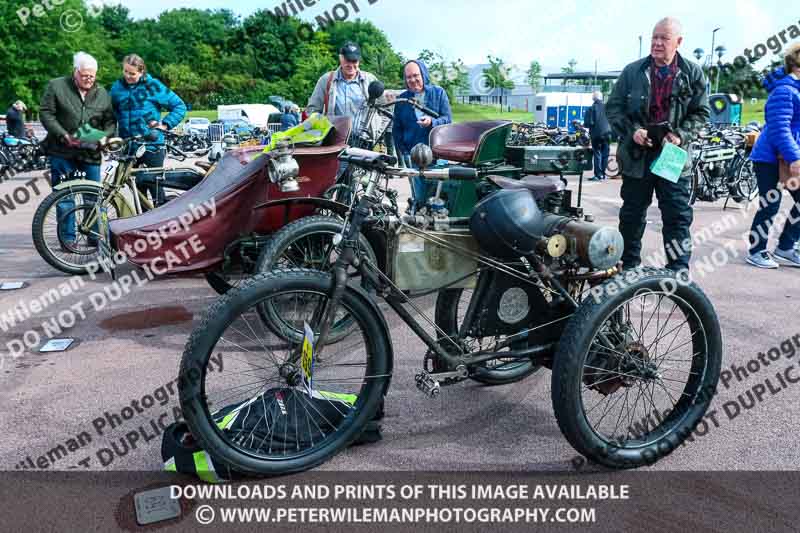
{"points": [[541, 186], [459, 142]]}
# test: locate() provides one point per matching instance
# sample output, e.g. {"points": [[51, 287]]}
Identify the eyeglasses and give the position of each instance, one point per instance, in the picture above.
{"points": [[414, 77], [87, 76]]}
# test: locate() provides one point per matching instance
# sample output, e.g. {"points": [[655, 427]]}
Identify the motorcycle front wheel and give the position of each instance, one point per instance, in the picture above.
{"points": [[69, 207], [636, 368], [269, 405]]}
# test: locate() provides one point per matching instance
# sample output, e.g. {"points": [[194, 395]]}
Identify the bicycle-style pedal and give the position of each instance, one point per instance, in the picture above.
{"points": [[427, 385]]}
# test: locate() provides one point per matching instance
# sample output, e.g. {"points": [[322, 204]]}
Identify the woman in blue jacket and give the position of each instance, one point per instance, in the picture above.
{"points": [[779, 138], [138, 101], [411, 126]]}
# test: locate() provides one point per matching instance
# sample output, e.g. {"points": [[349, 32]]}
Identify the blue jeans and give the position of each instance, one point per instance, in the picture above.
{"points": [[767, 176], [600, 150], [62, 170]]}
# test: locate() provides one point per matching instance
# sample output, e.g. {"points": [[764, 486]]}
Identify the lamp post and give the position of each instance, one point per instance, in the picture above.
{"points": [[640, 47], [711, 56], [720, 50]]}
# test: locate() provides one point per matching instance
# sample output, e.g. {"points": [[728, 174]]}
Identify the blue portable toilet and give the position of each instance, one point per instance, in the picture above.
{"points": [[552, 116], [562, 116], [574, 114]]}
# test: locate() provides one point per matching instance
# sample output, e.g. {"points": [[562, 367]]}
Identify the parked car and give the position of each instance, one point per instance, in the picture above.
{"points": [[238, 126], [196, 125]]}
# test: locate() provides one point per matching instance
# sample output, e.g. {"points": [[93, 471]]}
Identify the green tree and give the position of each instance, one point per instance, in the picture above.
{"points": [[449, 75], [497, 76], [534, 75], [378, 56], [570, 68]]}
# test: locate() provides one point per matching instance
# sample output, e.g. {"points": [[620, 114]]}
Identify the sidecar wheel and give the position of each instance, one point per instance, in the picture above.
{"points": [[636, 368]]}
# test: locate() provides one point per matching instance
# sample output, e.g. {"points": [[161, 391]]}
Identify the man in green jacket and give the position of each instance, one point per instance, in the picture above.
{"points": [[660, 88], [68, 104]]}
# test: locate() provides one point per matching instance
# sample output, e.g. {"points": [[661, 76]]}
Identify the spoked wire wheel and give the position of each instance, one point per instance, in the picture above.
{"points": [[306, 243], [636, 371], [65, 228], [451, 309], [746, 188], [267, 404]]}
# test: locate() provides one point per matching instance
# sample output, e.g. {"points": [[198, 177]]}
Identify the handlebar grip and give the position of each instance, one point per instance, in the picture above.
{"points": [[462, 173]]}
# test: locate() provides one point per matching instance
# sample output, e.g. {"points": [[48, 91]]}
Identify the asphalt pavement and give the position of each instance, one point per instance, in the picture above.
{"points": [[132, 349]]}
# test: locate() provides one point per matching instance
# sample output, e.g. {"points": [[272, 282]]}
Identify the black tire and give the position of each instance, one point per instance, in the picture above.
{"points": [[610, 374], [613, 168], [76, 260], [197, 390], [282, 252], [693, 186], [450, 308], [746, 187]]}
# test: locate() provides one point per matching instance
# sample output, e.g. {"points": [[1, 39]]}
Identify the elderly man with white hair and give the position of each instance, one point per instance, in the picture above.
{"points": [[69, 103], [600, 133], [658, 99]]}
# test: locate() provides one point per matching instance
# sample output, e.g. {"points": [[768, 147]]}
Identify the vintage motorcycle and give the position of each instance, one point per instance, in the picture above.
{"points": [[22, 154], [721, 167], [524, 281], [65, 227]]}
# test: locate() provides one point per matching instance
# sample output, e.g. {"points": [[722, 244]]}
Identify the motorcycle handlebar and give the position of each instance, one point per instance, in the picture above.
{"points": [[452, 173], [414, 103]]}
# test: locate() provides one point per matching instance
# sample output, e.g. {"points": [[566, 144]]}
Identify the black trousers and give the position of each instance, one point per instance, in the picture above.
{"points": [[676, 218], [154, 159]]}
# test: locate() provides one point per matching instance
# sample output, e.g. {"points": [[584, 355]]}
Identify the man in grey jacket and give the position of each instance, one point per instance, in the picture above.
{"points": [[343, 92], [667, 90]]}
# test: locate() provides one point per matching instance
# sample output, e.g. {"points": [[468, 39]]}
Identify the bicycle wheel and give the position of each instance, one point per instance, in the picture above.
{"points": [[451, 306], [613, 167], [305, 243], [69, 250], [694, 184], [746, 187], [234, 368], [636, 368]]}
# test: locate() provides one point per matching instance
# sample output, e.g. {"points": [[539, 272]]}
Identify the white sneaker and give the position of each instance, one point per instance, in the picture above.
{"points": [[789, 257], [762, 260]]}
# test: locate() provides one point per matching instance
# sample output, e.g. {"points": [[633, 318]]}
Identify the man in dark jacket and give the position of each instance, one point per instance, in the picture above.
{"points": [[662, 87], [15, 119], [600, 133], [68, 104]]}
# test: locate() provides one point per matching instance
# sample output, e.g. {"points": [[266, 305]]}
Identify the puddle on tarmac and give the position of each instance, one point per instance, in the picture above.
{"points": [[148, 318]]}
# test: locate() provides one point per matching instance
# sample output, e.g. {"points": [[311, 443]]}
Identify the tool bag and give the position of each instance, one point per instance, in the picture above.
{"points": [[286, 410]]}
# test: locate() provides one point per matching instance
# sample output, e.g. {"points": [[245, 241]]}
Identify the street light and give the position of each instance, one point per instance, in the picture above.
{"points": [[698, 53], [711, 56], [720, 50], [640, 47]]}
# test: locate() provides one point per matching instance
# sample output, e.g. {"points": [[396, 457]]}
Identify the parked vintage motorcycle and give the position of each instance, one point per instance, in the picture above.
{"points": [[721, 168], [22, 154], [518, 287], [65, 226]]}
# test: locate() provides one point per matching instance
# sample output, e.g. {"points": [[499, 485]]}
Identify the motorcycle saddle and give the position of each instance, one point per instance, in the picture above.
{"points": [[464, 142], [540, 186]]}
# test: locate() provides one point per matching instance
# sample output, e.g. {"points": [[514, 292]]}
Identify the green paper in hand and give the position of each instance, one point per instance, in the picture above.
{"points": [[88, 134], [670, 162]]}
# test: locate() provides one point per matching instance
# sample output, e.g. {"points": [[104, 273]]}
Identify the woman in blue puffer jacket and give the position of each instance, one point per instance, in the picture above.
{"points": [[780, 138], [138, 101]]}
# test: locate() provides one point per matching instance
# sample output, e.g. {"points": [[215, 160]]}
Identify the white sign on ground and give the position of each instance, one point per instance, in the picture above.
{"points": [[56, 345]]}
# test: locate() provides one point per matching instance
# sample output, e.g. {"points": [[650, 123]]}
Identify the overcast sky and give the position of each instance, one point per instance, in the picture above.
{"points": [[552, 32]]}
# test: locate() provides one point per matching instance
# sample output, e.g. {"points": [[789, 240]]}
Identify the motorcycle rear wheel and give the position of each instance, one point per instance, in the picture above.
{"points": [[671, 393]]}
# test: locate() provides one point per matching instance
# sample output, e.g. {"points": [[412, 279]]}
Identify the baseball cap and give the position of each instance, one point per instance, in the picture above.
{"points": [[351, 51]]}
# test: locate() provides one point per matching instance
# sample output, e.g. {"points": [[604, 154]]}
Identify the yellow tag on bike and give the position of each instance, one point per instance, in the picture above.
{"points": [[307, 357]]}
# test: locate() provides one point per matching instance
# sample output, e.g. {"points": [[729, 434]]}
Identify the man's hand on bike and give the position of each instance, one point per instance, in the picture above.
{"points": [[71, 141], [154, 124]]}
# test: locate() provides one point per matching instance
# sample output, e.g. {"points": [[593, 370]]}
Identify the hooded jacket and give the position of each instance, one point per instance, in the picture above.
{"points": [[781, 134], [407, 133], [136, 105]]}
